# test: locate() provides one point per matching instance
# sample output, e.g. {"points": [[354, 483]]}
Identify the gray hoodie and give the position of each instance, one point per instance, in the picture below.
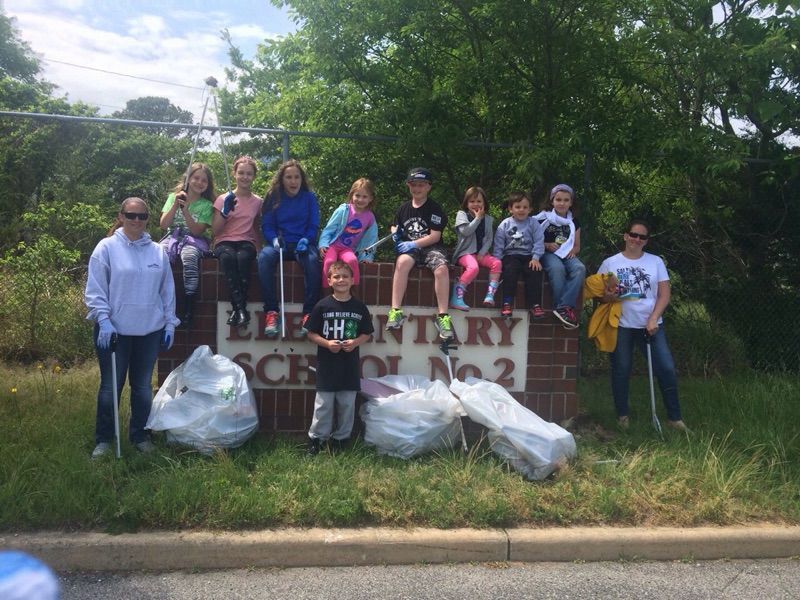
{"points": [[130, 282]]}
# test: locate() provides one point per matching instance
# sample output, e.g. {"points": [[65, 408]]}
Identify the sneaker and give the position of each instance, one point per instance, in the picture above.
{"points": [[303, 322], [272, 323], [506, 311], [624, 422], [567, 317], [314, 446], [679, 425], [101, 449], [242, 317], [338, 445], [145, 447], [233, 318], [537, 313], [445, 326], [396, 319]]}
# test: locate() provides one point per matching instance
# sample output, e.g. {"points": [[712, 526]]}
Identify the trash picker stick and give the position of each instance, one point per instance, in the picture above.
{"points": [[656, 422], [115, 391], [378, 243], [222, 142], [445, 347], [283, 312], [197, 135]]}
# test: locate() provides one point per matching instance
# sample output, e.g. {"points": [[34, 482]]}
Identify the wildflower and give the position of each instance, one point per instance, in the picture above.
{"points": [[13, 390], [56, 369]]}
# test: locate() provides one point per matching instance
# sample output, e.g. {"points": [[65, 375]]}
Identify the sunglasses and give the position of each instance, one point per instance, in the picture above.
{"points": [[133, 216], [639, 236]]}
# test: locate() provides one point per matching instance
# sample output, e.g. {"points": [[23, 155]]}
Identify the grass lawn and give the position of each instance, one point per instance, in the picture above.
{"points": [[741, 464]]}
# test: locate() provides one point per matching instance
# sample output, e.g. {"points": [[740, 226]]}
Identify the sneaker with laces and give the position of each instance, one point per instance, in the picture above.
{"points": [[445, 326], [506, 311], [272, 323], [314, 446], [537, 313], [101, 449], [567, 317], [396, 319], [679, 425], [145, 447], [303, 322]]}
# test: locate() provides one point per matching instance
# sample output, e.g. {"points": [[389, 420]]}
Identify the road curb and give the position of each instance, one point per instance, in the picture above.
{"points": [[166, 551]]}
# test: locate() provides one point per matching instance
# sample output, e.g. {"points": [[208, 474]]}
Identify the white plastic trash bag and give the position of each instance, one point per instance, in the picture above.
{"points": [[205, 403], [531, 445], [414, 415]]}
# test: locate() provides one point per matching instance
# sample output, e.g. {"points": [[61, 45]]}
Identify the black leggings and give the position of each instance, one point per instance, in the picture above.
{"points": [[236, 259]]}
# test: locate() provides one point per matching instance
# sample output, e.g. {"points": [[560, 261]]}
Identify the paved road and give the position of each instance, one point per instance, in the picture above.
{"points": [[736, 579]]}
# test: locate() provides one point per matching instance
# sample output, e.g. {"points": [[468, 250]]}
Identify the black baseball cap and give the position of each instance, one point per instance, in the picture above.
{"points": [[419, 174]]}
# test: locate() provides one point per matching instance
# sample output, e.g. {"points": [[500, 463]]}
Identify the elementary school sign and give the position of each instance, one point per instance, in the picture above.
{"points": [[536, 362]]}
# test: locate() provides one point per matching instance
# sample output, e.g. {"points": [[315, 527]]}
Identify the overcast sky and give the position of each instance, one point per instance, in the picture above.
{"points": [[89, 48]]}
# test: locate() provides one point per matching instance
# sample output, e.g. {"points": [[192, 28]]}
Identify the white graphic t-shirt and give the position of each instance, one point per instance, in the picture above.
{"points": [[638, 285]]}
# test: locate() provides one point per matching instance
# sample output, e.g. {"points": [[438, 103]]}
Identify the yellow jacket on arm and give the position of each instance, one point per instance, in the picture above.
{"points": [[605, 319]]}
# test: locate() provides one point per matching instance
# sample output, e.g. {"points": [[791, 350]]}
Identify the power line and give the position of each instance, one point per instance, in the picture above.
{"points": [[61, 62]]}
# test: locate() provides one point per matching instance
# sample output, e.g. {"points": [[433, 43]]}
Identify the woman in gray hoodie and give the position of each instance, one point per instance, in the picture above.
{"points": [[130, 294]]}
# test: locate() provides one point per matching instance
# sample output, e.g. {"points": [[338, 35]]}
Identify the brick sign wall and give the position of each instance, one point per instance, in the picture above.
{"points": [[536, 361]]}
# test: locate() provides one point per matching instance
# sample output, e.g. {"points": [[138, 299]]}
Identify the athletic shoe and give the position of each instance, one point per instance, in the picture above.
{"points": [[314, 446], [303, 322], [101, 449], [537, 313], [679, 425], [272, 323], [396, 319], [233, 318], [445, 326], [338, 445], [145, 447], [567, 317], [242, 317], [506, 311], [624, 422]]}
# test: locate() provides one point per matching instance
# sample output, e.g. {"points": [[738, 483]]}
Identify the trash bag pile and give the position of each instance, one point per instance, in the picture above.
{"points": [[205, 403], [409, 415]]}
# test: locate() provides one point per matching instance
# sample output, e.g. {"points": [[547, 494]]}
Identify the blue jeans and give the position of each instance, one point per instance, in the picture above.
{"points": [[136, 357], [566, 277], [663, 368], [312, 274]]}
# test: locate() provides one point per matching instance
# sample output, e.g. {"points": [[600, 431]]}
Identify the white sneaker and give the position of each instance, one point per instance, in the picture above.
{"points": [[145, 447], [101, 449]]}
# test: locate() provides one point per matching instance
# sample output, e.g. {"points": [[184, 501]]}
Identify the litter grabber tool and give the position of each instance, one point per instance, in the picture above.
{"points": [[656, 422], [445, 347], [378, 243], [115, 396], [221, 137], [210, 83], [283, 303]]}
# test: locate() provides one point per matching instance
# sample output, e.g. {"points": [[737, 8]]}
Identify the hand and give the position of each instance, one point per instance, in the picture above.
{"points": [[348, 345], [302, 246], [276, 243], [551, 246], [167, 337], [478, 213], [652, 326], [229, 204], [334, 345], [322, 252], [180, 199], [105, 333], [535, 265], [405, 247], [397, 234]]}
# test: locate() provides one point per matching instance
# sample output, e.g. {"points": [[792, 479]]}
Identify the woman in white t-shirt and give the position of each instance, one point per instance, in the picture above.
{"points": [[645, 291]]}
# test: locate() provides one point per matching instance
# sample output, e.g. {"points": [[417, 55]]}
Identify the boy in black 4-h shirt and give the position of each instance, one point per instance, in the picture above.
{"points": [[339, 324]]}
